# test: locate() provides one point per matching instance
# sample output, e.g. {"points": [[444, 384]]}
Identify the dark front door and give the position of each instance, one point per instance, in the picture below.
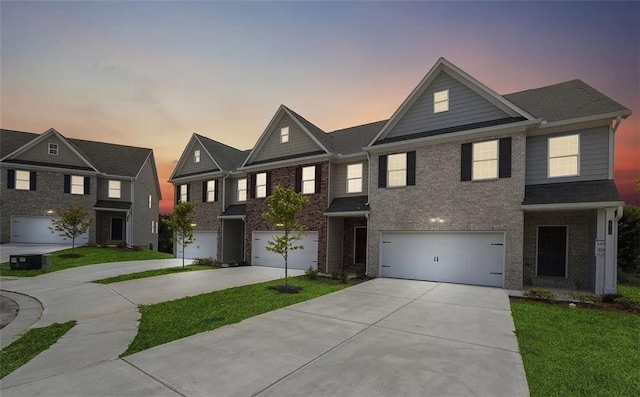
{"points": [[360, 249], [552, 251], [117, 229]]}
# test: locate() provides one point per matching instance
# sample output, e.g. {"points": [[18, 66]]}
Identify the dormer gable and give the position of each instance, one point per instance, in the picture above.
{"points": [[195, 159], [446, 99], [288, 135]]}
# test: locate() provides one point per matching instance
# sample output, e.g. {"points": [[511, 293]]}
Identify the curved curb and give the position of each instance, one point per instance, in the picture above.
{"points": [[29, 312]]}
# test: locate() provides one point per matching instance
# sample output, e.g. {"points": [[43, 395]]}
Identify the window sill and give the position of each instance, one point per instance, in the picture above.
{"points": [[486, 179], [562, 176], [396, 187]]}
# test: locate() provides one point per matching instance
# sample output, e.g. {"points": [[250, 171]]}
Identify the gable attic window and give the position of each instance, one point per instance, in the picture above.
{"points": [[53, 149], [354, 178], [485, 160], [114, 189], [564, 152], [261, 185], [284, 134], [196, 156], [441, 101], [242, 189]]}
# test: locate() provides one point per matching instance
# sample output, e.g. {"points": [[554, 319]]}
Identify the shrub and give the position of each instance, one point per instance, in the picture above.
{"points": [[361, 273], [137, 248], [340, 275], [610, 298], [203, 261], [584, 297], [628, 303], [121, 244], [216, 263], [623, 277], [540, 293], [628, 239], [233, 264], [311, 273]]}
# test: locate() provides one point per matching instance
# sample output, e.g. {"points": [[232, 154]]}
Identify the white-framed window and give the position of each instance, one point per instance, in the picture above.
{"points": [[211, 191], [284, 134], [308, 179], [261, 185], [53, 149], [153, 227], [183, 193], [564, 152], [354, 178], [242, 189], [196, 156], [397, 169], [149, 201], [114, 189], [440, 101], [485, 160], [77, 184], [23, 180], [157, 225]]}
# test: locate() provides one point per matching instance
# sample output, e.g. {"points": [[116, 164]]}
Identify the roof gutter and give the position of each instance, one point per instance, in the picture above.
{"points": [[280, 163], [570, 206]]}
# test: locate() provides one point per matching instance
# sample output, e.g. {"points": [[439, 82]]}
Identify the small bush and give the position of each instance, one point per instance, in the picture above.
{"points": [[121, 244], [311, 273], [203, 261], [233, 264], [340, 275], [540, 293], [216, 263], [610, 298], [628, 303], [584, 297], [137, 248], [623, 277], [361, 273]]}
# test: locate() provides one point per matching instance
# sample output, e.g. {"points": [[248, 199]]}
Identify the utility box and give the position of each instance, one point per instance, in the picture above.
{"points": [[30, 262]]}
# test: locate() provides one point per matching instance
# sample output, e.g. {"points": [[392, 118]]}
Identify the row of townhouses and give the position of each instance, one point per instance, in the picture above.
{"points": [[460, 185]]}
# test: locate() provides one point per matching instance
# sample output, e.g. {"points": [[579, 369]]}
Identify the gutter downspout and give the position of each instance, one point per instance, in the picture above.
{"points": [[366, 265], [617, 124]]}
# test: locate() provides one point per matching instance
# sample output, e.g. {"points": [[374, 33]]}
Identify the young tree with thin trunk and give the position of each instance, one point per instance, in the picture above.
{"points": [[282, 210], [73, 222], [180, 221]]}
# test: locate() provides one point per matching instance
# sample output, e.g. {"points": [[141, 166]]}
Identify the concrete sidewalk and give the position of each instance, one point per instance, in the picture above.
{"points": [[380, 338], [107, 320]]}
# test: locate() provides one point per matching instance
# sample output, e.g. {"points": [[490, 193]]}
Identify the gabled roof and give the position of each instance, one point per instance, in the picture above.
{"points": [[571, 193], [565, 101], [349, 204], [443, 65], [317, 135], [98, 155], [228, 158], [351, 140]]}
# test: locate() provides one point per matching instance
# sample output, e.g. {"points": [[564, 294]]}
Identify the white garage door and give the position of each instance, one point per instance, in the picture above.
{"points": [[457, 257], [205, 245], [299, 259], [35, 230]]}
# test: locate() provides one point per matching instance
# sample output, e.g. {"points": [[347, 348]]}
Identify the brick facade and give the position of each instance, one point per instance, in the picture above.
{"points": [[207, 213], [493, 205], [311, 216]]}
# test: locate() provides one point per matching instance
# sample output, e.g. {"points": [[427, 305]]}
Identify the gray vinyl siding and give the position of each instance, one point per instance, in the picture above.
{"points": [[189, 166], [299, 142], [233, 237], [335, 243], [142, 215], [593, 157], [40, 153], [339, 180], [231, 192], [465, 107], [125, 190]]}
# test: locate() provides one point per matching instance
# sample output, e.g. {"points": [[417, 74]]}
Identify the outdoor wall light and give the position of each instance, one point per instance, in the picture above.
{"points": [[50, 212], [436, 220], [193, 225]]}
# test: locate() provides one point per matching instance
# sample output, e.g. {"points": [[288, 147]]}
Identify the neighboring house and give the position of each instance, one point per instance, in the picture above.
{"points": [[460, 185], [117, 184]]}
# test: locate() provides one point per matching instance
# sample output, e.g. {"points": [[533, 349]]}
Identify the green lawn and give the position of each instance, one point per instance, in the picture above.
{"points": [[629, 291], [90, 256], [168, 321], [579, 351], [30, 345], [152, 273]]}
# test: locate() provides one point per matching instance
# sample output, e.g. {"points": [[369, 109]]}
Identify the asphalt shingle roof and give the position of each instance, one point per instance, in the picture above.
{"points": [[349, 204], [564, 101], [11, 140], [353, 139], [317, 132], [227, 157], [571, 192], [235, 210]]}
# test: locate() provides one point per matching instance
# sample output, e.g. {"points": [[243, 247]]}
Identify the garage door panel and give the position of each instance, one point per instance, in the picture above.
{"points": [[205, 245], [467, 258], [299, 259], [36, 230]]}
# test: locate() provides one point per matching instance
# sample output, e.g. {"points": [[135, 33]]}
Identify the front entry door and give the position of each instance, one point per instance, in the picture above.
{"points": [[117, 229], [552, 251], [360, 249]]}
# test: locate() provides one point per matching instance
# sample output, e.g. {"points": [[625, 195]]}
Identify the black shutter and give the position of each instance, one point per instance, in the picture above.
{"points": [[298, 179], [504, 160], [87, 185], [67, 183], [176, 189], [32, 180], [465, 162], [215, 190], [252, 185], [268, 183], [188, 191], [411, 168], [318, 178], [204, 191], [11, 179], [382, 171]]}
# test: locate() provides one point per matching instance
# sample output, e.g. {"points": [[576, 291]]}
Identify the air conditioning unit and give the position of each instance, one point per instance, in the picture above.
{"points": [[30, 261]]}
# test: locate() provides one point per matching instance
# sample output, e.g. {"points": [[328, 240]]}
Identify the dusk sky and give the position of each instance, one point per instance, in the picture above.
{"points": [[152, 73]]}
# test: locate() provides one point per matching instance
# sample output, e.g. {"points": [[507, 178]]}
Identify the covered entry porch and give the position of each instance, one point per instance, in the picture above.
{"points": [[347, 227], [113, 223], [233, 233]]}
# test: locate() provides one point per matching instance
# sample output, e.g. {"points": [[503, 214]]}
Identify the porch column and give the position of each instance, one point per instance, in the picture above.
{"points": [[607, 262]]}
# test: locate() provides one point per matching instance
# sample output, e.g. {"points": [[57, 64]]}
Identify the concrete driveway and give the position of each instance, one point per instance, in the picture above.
{"points": [[381, 338], [21, 249]]}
